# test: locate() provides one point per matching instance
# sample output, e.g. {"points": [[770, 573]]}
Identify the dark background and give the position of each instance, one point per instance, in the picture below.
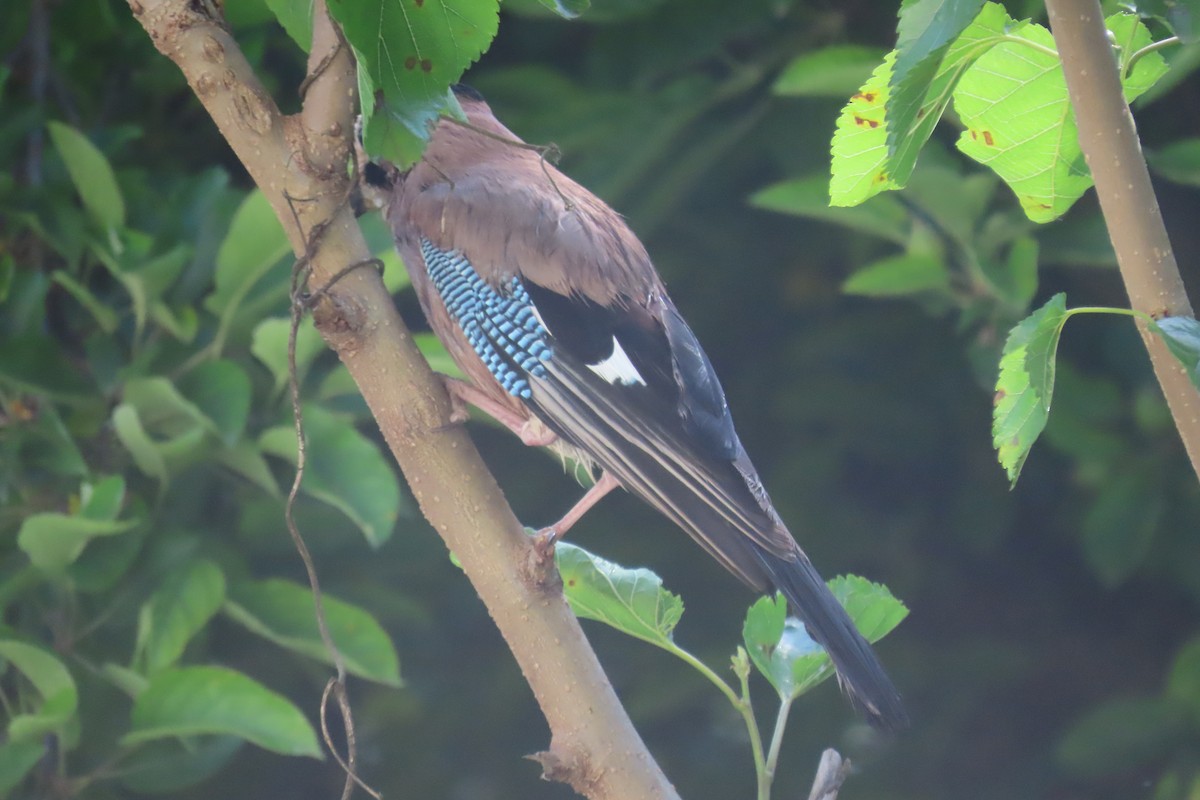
{"points": [[1039, 659]]}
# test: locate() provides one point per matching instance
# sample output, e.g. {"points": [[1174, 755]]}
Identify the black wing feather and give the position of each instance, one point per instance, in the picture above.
{"points": [[674, 446]]}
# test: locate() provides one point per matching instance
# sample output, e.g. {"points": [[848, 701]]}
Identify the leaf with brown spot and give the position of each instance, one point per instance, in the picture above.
{"points": [[1014, 104], [391, 40], [1025, 385]]}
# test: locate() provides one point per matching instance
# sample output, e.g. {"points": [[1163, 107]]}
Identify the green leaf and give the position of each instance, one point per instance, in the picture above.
{"points": [[927, 33], [37, 364], [162, 408], [296, 19], [246, 460], [1179, 161], [1018, 117], [1025, 386], [859, 148], [16, 760], [1182, 16], [1120, 735], [51, 680], [92, 175], [835, 71], [170, 765], [1182, 336], [105, 317], [50, 446], [345, 470], [129, 429], [904, 143], [899, 275], [884, 217], [429, 43], [867, 157], [1130, 35], [107, 560], [567, 9], [181, 323], [102, 500], [216, 700], [270, 346], [177, 611], [220, 390], [631, 600], [781, 649], [163, 430], [255, 243], [53, 541], [284, 613], [127, 680]]}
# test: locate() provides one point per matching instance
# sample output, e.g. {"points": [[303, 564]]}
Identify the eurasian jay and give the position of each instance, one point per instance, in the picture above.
{"points": [[550, 305]]}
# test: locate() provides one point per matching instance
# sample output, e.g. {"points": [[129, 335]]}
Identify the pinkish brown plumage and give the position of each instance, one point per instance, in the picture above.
{"points": [[550, 304]]}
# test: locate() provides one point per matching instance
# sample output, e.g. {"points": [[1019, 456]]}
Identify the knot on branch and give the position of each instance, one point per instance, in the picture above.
{"points": [[340, 318], [538, 568], [563, 765]]}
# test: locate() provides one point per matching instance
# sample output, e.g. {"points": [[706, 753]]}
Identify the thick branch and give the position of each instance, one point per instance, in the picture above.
{"points": [[594, 746], [1114, 155]]}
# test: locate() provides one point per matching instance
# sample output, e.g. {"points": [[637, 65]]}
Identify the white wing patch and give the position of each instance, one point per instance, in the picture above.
{"points": [[617, 368]]}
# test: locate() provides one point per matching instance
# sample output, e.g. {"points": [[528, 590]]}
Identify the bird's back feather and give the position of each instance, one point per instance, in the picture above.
{"points": [[542, 293]]}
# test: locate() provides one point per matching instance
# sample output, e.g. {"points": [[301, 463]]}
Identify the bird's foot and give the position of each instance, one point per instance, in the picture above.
{"points": [[534, 433], [530, 430], [459, 412]]}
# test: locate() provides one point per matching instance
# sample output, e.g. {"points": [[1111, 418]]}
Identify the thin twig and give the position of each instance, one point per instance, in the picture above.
{"points": [[331, 686], [300, 274]]}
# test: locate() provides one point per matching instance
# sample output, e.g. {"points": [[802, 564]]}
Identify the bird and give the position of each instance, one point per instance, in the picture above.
{"points": [[551, 307]]}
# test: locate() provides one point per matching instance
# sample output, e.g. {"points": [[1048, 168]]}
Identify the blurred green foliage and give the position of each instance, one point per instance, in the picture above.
{"points": [[1051, 649]]}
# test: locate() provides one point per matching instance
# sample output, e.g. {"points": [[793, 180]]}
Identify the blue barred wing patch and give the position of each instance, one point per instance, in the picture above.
{"points": [[500, 323]]}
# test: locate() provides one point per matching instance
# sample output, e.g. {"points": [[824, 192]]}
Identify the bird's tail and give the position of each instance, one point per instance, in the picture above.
{"points": [[721, 504], [860, 674]]}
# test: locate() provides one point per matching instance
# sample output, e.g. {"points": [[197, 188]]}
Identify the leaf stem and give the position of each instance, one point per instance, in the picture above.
{"points": [[746, 708], [704, 670], [785, 706], [1150, 48], [1123, 312], [1041, 48]]}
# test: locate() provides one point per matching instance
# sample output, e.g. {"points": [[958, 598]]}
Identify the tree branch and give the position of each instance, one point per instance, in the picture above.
{"points": [[299, 163], [1114, 154]]}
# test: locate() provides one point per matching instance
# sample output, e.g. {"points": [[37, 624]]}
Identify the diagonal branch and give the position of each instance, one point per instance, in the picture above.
{"points": [[1110, 144], [298, 162]]}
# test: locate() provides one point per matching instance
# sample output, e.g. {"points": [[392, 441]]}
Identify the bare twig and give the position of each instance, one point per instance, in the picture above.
{"points": [[1110, 144]]}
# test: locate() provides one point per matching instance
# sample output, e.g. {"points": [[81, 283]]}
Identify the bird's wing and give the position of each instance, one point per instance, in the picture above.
{"points": [[572, 318]]}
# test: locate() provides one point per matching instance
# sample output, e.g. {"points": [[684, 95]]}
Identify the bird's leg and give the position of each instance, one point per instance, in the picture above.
{"points": [[529, 430], [545, 539]]}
